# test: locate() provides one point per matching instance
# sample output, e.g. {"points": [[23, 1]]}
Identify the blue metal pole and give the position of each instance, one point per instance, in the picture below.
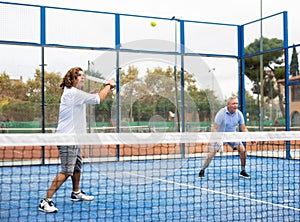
{"points": [[43, 42], [287, 85], [117, 45], [43, 25], [241, 70], [261, 74], [182, 51], [175, 81]]}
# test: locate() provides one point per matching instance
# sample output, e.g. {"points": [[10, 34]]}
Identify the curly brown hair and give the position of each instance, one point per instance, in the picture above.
{"points": [[70, 79]]}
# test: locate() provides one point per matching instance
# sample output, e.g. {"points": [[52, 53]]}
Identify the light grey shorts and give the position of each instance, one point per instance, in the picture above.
{"points": [[71, 159]]}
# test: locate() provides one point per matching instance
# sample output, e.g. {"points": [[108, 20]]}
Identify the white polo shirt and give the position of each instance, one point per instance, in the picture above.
{"points": [[72, 111]]}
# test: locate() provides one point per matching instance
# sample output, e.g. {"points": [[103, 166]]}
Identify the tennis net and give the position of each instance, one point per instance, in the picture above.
{"points": [[154, 177]]}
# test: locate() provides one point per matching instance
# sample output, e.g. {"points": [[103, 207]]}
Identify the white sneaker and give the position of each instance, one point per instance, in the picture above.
{"points": [[47, 206], [81, 196]]}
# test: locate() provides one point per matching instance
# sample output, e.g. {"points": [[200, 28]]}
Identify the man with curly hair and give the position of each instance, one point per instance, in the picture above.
{"points": [[72, 119]]}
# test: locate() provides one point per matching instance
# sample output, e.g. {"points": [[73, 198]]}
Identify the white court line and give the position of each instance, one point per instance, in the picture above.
{"points": [[219, 192]]}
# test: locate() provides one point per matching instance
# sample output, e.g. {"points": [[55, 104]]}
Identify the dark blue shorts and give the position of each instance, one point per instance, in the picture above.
{"points": [[233, 145]]}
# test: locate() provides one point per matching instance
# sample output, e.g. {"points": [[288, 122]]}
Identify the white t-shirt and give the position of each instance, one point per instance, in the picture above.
{"points": [[72, 111]]}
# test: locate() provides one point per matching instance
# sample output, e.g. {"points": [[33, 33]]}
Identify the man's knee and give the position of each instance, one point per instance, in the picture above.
{"points": [[211, 153], [241, 149]]}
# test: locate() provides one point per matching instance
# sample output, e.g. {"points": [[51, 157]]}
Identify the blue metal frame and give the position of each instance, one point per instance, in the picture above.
{"points": [[242, 57], [117, 48]]}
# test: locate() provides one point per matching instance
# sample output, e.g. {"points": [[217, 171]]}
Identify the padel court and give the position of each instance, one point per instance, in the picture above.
{"points": [[131, 191], [138, 183]]}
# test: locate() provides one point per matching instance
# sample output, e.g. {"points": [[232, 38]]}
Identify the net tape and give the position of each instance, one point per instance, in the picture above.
{"points": [[142, 138]]}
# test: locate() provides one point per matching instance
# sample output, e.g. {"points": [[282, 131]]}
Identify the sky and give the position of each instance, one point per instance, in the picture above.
{"points": [[229, 11], [219, 11]]}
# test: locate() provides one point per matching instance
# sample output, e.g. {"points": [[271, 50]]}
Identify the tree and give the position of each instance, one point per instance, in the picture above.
{"points": [[25, 98], [270, 60], [273, 61], [294, 66], [21, 111], [18, 91], [141, 97], [102, 111], [203, 100], [252, 111], [154, 94], [5, 85], [90, 85], [11, 93]]}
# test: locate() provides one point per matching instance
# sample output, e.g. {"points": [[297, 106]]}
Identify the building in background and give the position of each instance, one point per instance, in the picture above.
{"points": [[294, 99]]}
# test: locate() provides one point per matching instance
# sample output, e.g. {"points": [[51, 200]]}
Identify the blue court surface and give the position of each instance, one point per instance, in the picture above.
{"points": [[159, 190]]}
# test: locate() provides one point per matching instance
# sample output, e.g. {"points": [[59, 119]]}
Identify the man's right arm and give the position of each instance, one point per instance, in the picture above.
{"points": [[103, 93]]}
